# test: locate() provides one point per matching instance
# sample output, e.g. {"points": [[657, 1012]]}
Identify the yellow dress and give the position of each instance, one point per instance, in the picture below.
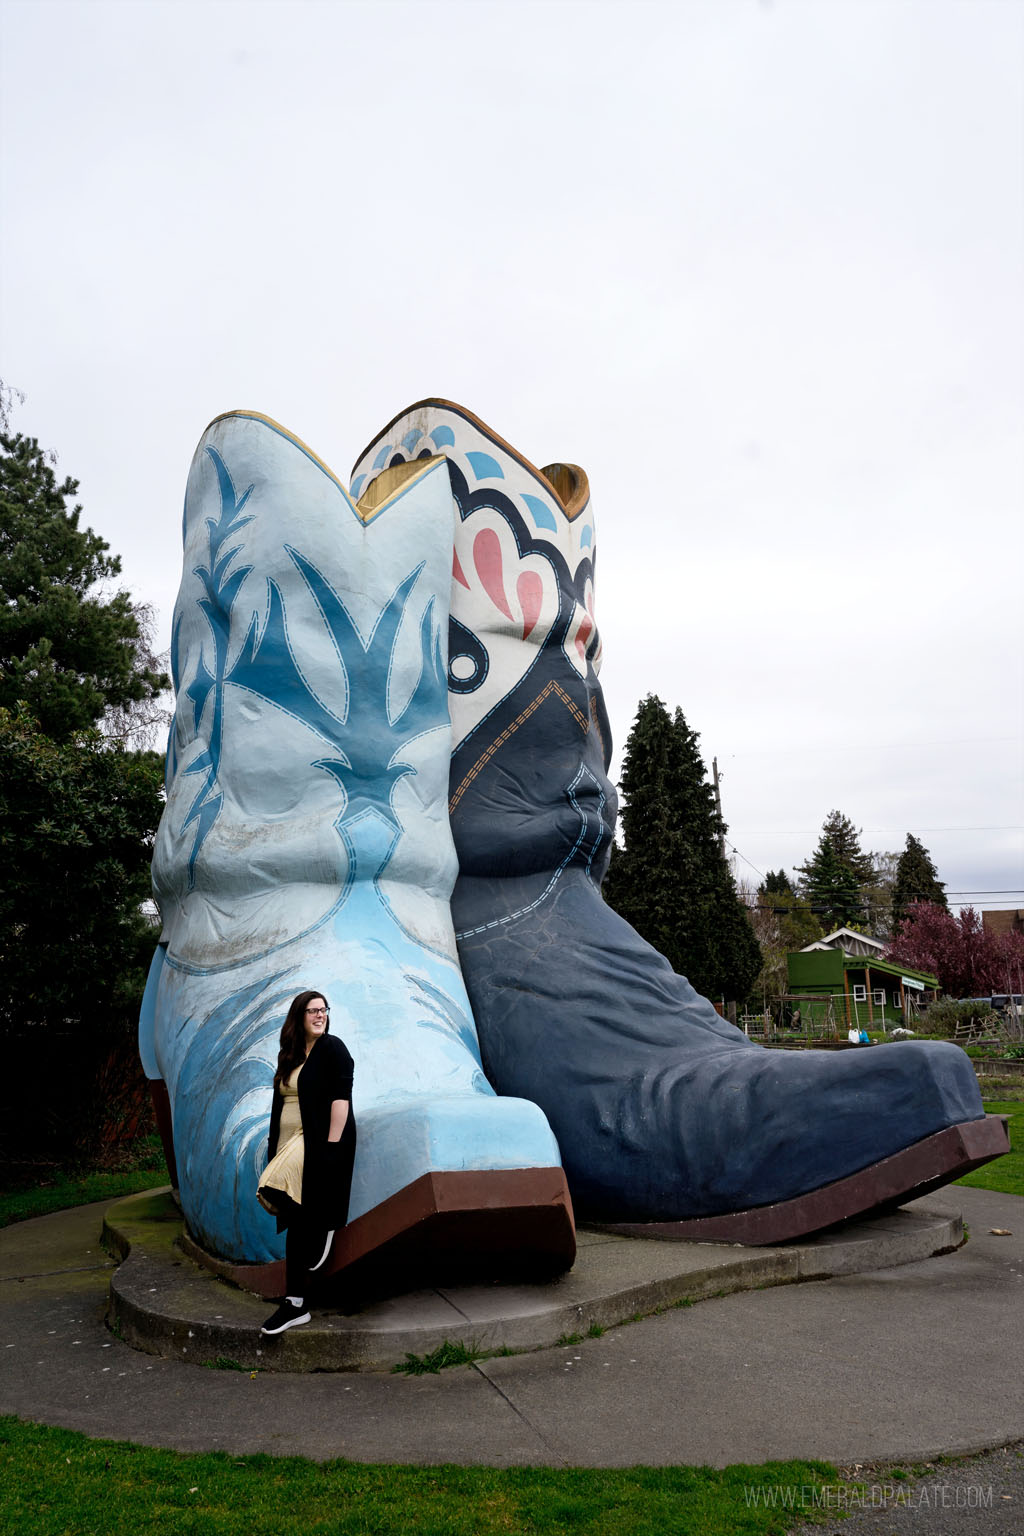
{"points": [[283, 1174]]}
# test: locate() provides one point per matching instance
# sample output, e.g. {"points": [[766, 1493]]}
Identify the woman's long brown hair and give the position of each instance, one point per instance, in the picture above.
{"points": [[293, 1036]]}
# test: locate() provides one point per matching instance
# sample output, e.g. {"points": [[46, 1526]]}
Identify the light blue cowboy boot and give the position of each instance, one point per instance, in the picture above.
{"points": [[305, 843], [663, 1111]]}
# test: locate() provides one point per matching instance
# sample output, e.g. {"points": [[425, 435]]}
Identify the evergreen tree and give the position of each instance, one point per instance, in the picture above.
{"points": [[916, 880], [78, 815], [844, 840], [776, 883], [77, 821], [65, 651], [836, 871], [671, 880]]}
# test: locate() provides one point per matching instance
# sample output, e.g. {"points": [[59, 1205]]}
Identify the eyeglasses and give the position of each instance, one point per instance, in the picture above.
{"points": [[315, 1011]]}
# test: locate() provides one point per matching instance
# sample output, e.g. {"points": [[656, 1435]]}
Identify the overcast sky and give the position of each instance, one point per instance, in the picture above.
{"points": [[758, 267]]}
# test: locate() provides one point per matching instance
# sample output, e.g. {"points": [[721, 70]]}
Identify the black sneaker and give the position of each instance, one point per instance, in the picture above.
{"points": [[323, 1257], [288, 1315]]}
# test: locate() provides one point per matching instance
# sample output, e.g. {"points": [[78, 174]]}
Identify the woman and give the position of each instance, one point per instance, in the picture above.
{"points": [[306, 1183]]}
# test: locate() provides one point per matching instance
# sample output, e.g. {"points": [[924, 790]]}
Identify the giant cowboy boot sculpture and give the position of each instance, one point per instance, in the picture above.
{"points": [[305, 843], [664, 1113]]}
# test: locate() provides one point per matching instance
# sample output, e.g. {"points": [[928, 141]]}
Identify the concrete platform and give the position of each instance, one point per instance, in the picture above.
{"points": [[905, 1362], [165, 1304]]}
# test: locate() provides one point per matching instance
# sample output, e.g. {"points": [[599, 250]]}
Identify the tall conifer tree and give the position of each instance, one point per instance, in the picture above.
{"points": [[671, 879], [917, 879], [836, 871]]}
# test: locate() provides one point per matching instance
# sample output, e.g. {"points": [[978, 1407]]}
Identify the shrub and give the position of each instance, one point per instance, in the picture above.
{"points": [[942, 1018]]}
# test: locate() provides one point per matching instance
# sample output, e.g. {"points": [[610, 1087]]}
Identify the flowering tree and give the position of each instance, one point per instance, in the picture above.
{"points": [[968, 961]]}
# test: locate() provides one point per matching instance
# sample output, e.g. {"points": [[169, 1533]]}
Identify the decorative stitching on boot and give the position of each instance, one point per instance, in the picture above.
{"points": [[511, 917], [499, 741]]}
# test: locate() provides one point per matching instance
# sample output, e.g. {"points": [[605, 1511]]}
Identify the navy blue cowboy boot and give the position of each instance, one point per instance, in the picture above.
{"points": [[664, 1112]]}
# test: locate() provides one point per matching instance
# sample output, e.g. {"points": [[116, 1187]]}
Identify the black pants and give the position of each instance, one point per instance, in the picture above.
{"points": [[303, 1246]]}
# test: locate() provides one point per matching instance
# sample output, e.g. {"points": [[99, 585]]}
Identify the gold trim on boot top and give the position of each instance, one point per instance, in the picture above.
{"points": [[374, 500]]}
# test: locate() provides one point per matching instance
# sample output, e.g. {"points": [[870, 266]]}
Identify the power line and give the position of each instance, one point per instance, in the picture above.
{"points": [[877, 746], [958, 903], [815, 831], [1017, 891], [747, 861]]}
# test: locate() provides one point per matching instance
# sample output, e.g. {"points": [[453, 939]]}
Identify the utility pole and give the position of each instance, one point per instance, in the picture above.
{"points": [[718, 801], [730, 1007]]}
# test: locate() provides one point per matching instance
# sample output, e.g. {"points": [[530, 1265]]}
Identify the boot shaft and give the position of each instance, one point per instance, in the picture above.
{"points": [[529, 789], [310, 737]]}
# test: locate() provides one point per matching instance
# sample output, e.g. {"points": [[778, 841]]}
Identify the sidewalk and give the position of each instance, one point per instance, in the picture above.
{"points": [[906, 1360]]}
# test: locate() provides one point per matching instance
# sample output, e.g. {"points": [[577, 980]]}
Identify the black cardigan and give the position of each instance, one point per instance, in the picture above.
{"points": [[327, 1165]]}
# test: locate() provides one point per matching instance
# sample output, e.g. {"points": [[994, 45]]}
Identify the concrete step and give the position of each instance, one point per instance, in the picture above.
{"points": [[163, 1303]]}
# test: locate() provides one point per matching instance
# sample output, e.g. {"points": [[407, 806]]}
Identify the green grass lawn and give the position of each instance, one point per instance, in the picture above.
{"points": [[1006, 1174], [58, 1191], [54, 1482]]}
